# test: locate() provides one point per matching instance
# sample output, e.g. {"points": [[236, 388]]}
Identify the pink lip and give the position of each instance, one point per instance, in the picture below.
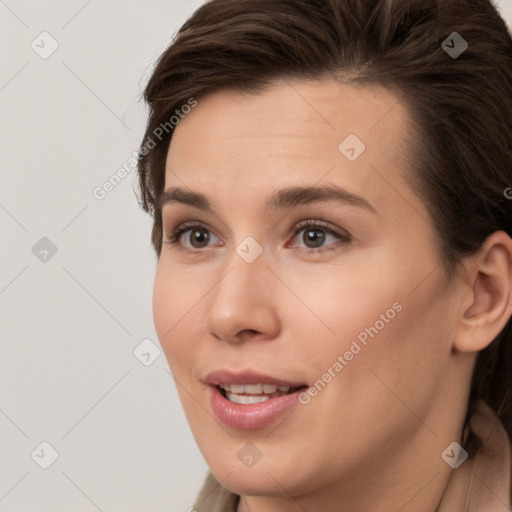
{"points": [[248, 416], [247, 377]]}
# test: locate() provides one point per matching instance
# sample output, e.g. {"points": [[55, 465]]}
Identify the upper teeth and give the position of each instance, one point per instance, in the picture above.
{"points": [[254, 389]]}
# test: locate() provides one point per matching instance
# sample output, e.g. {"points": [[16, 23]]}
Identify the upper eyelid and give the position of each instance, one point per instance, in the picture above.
{"points": [[317, 223], [298, 225]]}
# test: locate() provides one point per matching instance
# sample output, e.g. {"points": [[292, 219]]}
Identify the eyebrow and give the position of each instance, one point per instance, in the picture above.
{"points": [[285, 198]]}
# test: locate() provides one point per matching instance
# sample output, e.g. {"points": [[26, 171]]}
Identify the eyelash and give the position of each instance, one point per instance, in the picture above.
{"points": [[191, 225]]}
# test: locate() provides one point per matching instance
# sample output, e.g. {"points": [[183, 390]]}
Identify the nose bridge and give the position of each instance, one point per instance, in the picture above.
{"points": [[242, 286], [242, 299], [247, 268]]}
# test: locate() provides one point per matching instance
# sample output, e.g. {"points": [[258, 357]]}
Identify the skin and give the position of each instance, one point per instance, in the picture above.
{"points": [[372, 438]]}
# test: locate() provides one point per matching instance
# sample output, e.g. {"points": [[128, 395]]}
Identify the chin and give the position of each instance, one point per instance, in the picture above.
{"points": [[269, 476], [256, 482]]}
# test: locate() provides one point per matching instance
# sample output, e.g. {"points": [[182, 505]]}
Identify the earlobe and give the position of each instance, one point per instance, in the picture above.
{"points": [[489, 280]]}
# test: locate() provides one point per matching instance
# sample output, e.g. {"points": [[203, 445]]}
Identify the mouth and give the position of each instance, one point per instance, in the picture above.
{"points": [[250, 400]]}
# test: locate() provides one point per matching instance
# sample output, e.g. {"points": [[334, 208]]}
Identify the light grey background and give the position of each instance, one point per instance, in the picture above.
{"points": [[70, 323]]}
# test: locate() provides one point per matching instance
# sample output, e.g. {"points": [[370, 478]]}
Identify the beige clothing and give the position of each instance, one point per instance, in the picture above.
{"points": [[480, 484]]}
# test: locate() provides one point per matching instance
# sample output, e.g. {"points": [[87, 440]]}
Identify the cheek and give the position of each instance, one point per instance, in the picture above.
{"points": [[379, 316], [175, 303], [357, 303], [390, 364]]}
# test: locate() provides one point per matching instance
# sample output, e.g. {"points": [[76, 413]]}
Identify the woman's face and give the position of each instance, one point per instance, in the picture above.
{"points": [[340, 292]]}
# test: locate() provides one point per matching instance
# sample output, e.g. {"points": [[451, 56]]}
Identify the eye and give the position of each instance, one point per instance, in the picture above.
{"points": [[198, 235], [316, 233]]}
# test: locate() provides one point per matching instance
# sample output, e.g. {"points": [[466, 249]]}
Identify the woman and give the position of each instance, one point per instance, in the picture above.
{"points": [[328, 182]]}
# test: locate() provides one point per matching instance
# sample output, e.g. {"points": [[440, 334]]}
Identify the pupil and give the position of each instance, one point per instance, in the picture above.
{"points": [[312, 236], [200, 236]]}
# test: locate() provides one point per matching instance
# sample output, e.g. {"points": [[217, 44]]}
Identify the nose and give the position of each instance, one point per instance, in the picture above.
{"points": [[244, 302]]}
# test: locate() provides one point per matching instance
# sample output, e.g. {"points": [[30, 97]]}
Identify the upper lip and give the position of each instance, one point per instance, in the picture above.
{"points": [[247, 377]]}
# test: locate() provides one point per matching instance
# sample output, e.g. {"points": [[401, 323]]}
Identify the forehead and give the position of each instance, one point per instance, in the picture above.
{"points": [[356, 137]]}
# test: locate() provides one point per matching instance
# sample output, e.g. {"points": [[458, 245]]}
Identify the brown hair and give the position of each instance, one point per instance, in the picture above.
{"points": [[461, 106]]}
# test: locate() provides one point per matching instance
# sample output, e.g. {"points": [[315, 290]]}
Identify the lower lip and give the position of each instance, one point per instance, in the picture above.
{"points": [[250, 416]]}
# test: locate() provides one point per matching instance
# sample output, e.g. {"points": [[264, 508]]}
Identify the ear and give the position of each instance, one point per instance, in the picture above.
{"points": [[486, 305]]}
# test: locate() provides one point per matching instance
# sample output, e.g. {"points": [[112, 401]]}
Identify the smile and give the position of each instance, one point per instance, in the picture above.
{"points": [[250, 400]]}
